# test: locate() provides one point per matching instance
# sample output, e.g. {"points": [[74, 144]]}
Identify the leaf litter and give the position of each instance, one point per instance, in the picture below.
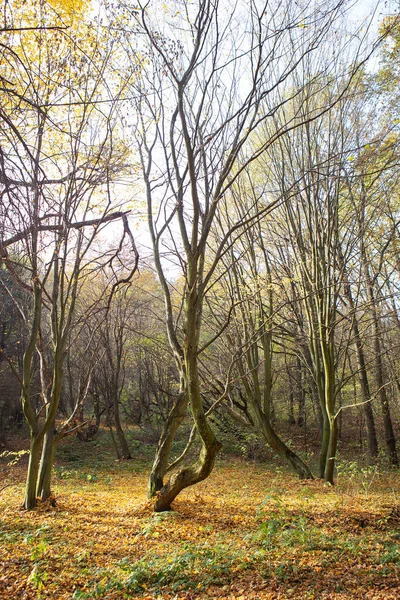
{"points": [[245, 533]]}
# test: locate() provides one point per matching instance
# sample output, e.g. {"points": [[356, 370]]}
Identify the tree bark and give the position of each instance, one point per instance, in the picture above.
{"points": [[187, 477], [43, 489], [274, 441], [160, 463], [123, 444], [201, 469], [332, 448], [33, 471], [379, 374]]}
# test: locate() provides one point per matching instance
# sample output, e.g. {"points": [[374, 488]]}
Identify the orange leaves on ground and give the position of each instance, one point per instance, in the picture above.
{"points": [[244, 533]]}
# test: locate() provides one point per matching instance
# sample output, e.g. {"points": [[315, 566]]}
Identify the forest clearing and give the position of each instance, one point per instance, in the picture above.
{"points": [[251, 530], [199, 299]]}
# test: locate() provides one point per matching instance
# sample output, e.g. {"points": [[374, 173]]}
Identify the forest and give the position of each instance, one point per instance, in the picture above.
{"points": [[199, 299]]}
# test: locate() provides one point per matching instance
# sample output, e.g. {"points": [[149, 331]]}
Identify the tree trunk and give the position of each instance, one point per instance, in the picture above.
{"points": [[301, 398], [324, 451], [123, 444], [330, 424], [366, 396], [46, 464], [114, 441], [96, 409], [187, 477], [294, 461], [387, 419], [201, 469], [332, 448], [49, 430], [292, 420], [262, 415], [379, 376], [26, 402], [313, 387], [320, 387], [160, 463], [33, 471]]}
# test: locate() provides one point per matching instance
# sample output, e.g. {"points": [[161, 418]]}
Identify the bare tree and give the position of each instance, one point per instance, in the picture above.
{"points": [[59, 157], [211, 76], [248, 272]]}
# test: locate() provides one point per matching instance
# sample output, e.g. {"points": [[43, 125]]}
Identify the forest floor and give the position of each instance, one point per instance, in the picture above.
{"points": [[250, 531]]}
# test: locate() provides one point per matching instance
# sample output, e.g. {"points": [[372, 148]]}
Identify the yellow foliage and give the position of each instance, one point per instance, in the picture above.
{"points": [[69, 6], [70, 10]]}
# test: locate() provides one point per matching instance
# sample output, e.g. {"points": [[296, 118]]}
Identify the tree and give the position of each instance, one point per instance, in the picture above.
{"points": [[60, 156], [251, 336], [134, 375], [196, 118], [309, 170]]}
